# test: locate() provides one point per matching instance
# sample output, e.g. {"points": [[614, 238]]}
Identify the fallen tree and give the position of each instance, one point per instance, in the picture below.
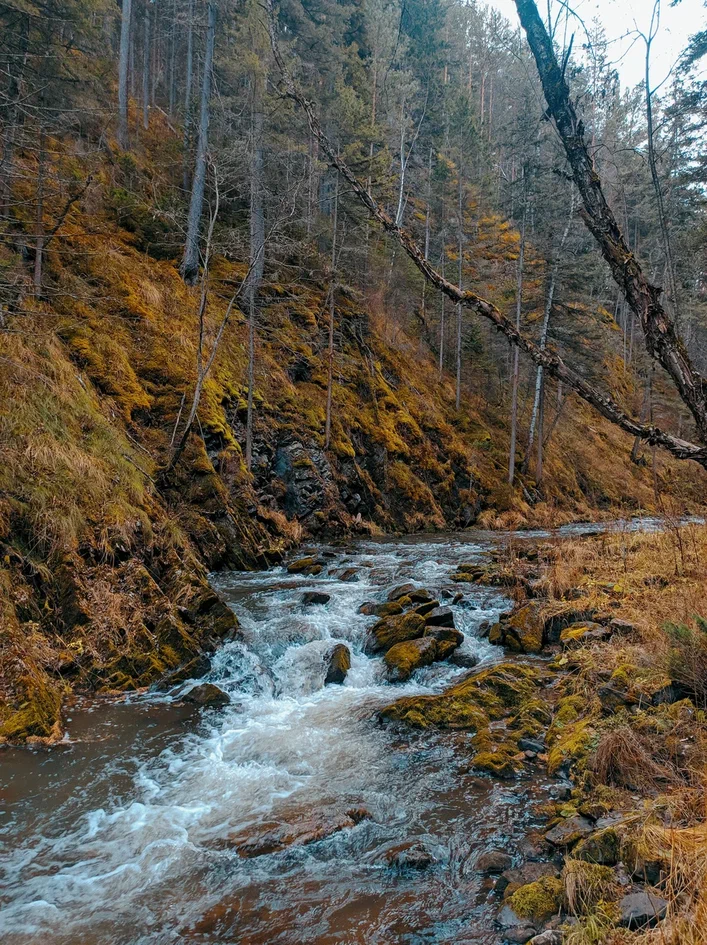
{"points": [[548, 359]]}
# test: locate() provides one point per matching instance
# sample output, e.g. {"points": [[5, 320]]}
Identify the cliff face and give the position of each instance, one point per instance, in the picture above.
{"points": [[102, 572]]}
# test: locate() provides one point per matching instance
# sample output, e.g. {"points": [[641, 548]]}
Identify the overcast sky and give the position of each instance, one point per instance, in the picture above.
{"points": [[621, 16]]}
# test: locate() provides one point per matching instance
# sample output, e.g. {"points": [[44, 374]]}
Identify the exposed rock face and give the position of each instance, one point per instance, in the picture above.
{"points": [[339, 663], [391, 630], [404, 658], [522, 632], [440, 617], [207, 695]]}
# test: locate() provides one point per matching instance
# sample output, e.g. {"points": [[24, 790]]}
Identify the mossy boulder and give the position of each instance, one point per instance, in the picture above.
{"points": [[338, 663], [394, 629], [582, 633], [447, 638], [389, 609], [522, 632], [567, 832], [538, 901], [207, 695], [306, 565], [404, 658], [602, 847]]}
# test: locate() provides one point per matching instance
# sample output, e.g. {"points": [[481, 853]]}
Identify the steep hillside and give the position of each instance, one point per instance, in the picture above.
{"points": [[103, 574]]}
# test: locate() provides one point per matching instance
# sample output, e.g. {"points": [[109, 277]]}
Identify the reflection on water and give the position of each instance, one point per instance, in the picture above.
{"points": [[125, 835]]}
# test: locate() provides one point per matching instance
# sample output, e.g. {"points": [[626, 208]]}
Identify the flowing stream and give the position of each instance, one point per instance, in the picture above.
{"points": [[125, 834]]}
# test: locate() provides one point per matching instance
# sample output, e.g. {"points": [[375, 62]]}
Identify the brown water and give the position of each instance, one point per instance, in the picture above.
{"points": [[122, 834]]}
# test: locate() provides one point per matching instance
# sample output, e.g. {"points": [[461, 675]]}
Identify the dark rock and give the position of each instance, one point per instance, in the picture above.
{"points": [[403, 659], [424, 609], [569, 831], [555, 625], [372, 609], [522, 632], [404, 590], [315, 597], [621, 627], [530, 744], [440, 617], [582, 633], [338, 665], [308, 829], [523, 875], [642, 910], [410, 856], [549, 937], [194, 669], [613, 698], [391, 630], [494, 861], [484, 629], [301, 565], [448, 639], [207, 695], [349, 575], [602, 847], [520, 930], [666, 695], [464, 660], [420, 596]]}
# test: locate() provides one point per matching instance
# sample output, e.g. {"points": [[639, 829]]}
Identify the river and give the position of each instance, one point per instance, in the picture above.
{"points": [[127, 834]]}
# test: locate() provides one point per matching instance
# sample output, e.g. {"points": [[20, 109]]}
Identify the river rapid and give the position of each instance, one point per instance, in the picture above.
{"points": [[123, 835]]}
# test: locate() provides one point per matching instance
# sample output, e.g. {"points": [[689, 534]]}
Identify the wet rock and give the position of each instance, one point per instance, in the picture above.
{"points": [[642, 910], [194, 669], [420, 596], [539, 901], [458, 598], [338, 664], [522, 632], [515, 928], [424, 609], [391, 630], [440, 617], [464, 660], [410, 856], [390, 609], [273, 837], [530, 744], [207, 695], [403, 590], [349, 575], [582, 633], [494, 861], [447, 638], [315, 597], [550, 937], [302, 565], [403, 659], [569, 831]]}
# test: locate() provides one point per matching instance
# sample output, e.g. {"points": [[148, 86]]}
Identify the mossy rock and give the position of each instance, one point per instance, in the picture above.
{"points": [[500, 764], [522, 632], [395, 629], [539, 901], [404, 658], [602, 847], [39, 716]]}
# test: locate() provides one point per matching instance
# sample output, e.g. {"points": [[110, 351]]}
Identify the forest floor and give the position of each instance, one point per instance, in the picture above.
{"points": [[618, 623]]}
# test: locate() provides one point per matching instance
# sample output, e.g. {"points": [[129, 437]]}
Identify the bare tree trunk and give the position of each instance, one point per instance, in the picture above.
{"points": [[460, 248], [39, 233], [190, 260], [541, 419], [257, 248], [187, 93], [332, 300], [146, 52], [173, 60], [516, 364], [427, 231], [123, 69]]}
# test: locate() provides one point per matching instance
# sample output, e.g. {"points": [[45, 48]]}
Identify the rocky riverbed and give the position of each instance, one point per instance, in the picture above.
{"points": [[383, 752]]}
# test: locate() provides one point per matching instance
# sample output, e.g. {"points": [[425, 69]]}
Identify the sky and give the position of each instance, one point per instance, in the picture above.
{"points": [[623, 16]]}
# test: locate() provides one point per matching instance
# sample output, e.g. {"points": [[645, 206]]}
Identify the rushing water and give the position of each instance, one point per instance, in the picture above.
{"points": [[122, 835]]}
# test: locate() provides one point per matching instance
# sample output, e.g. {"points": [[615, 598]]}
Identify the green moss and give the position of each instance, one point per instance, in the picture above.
{"points": [[538, 901]]}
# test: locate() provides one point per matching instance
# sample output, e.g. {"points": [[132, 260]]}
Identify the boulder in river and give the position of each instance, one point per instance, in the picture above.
{"points": [[522, 632], [207, 695], [403, 659], [306, 565], [410, 856], [391, 630], [447, 638], [494, 861], [389, 609], [440, 617], [302, 831], [464, 660], [420, 596], [338, 664], [424, 609], [403, 590], [569, 831], [194, 669], [315, 597]]}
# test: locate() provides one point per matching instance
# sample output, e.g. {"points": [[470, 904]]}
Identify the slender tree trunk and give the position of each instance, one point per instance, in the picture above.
{"points": [[541, 419], [187, 93], [190, 260], [460, 249], [146, 52], [516, 364], [332, 302], [39, 233], [123, 70], [257, 248], [427, 232], [173, 60]]}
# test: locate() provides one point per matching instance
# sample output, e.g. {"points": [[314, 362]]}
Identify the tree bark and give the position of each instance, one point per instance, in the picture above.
{"points": [[123, 70], [146, 50], [187, 93], [460, 249], [39, 232], [190, 261], [551, 362], [661, 337], [332, 309], [516, 353]]}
